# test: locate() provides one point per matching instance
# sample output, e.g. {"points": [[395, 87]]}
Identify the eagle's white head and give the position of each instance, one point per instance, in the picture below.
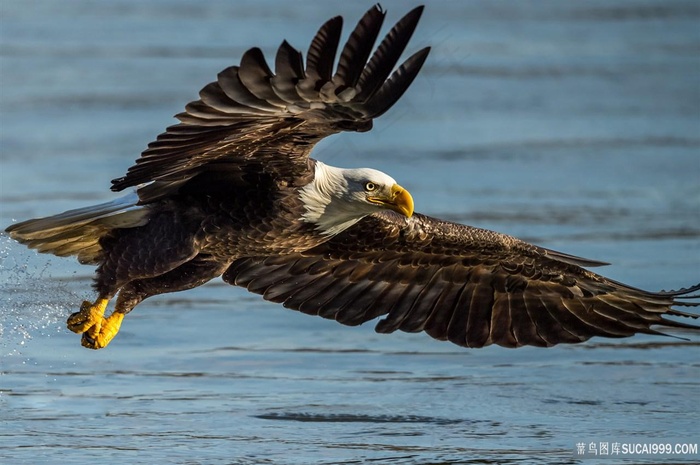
{"points": [[337, 198]]}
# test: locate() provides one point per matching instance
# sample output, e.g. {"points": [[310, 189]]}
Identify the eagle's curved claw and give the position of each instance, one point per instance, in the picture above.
{"points": [[108, 328], [97, 330], [89, 318]]}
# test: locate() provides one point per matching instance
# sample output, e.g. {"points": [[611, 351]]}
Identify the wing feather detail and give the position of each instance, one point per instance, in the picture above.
{"points": [[251, 114], [356, 51], [289, 64], [320, 59], [470, 286], [255, 74], [387, 55]]}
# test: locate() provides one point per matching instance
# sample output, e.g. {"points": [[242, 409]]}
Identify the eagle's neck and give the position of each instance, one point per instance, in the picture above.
{"points": [[327, 202]]}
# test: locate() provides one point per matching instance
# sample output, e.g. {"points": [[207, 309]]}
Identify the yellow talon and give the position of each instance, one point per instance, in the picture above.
{"points": [[97, 330], [89, 318], [108, 329]]}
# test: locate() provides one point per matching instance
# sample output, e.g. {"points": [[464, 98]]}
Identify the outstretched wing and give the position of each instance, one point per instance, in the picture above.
{"points": [[467, 285], [250, 115]]}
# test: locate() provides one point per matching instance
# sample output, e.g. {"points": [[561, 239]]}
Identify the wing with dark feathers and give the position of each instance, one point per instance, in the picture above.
{"points": [[252, 115], [467, 285]]}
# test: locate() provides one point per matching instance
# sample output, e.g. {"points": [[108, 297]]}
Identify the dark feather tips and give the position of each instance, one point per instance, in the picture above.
{"points": [[246, 100]]}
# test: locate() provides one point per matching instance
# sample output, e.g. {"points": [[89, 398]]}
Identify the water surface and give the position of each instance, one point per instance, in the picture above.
{"points": [[575, 125]]}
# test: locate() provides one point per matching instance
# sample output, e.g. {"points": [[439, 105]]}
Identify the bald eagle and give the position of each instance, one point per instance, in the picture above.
{"points": [[231, 191]]}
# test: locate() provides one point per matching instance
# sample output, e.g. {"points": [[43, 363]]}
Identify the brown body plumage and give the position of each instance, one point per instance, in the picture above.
{"points": [[231, 191]]}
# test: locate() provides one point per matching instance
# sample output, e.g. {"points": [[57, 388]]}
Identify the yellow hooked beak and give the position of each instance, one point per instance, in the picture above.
{"points": [[399, 200]]}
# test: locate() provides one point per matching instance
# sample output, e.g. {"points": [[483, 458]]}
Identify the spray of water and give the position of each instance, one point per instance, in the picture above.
{"points": [[36, 295]]}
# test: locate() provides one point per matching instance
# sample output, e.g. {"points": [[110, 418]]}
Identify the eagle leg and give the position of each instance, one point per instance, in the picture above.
{"points": [[97, 330]]}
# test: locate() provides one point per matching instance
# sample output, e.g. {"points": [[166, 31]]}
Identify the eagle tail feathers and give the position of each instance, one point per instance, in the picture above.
{"points": [[77, 232]]}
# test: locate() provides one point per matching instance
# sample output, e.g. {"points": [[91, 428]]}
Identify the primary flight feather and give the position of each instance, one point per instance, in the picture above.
{"points": [[231, 191]]}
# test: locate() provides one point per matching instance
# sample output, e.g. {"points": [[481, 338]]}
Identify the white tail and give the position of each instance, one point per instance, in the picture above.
{"points": [[77, 232]]}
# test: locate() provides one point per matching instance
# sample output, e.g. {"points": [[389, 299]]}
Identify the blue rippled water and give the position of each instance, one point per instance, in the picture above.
{"points": [[575, 125]]}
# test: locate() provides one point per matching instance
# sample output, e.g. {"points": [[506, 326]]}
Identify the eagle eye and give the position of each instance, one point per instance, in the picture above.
{"points": [[370, 186]]}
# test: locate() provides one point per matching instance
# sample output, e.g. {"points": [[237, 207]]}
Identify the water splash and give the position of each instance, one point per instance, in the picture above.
{"points": [[33, 302]]}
